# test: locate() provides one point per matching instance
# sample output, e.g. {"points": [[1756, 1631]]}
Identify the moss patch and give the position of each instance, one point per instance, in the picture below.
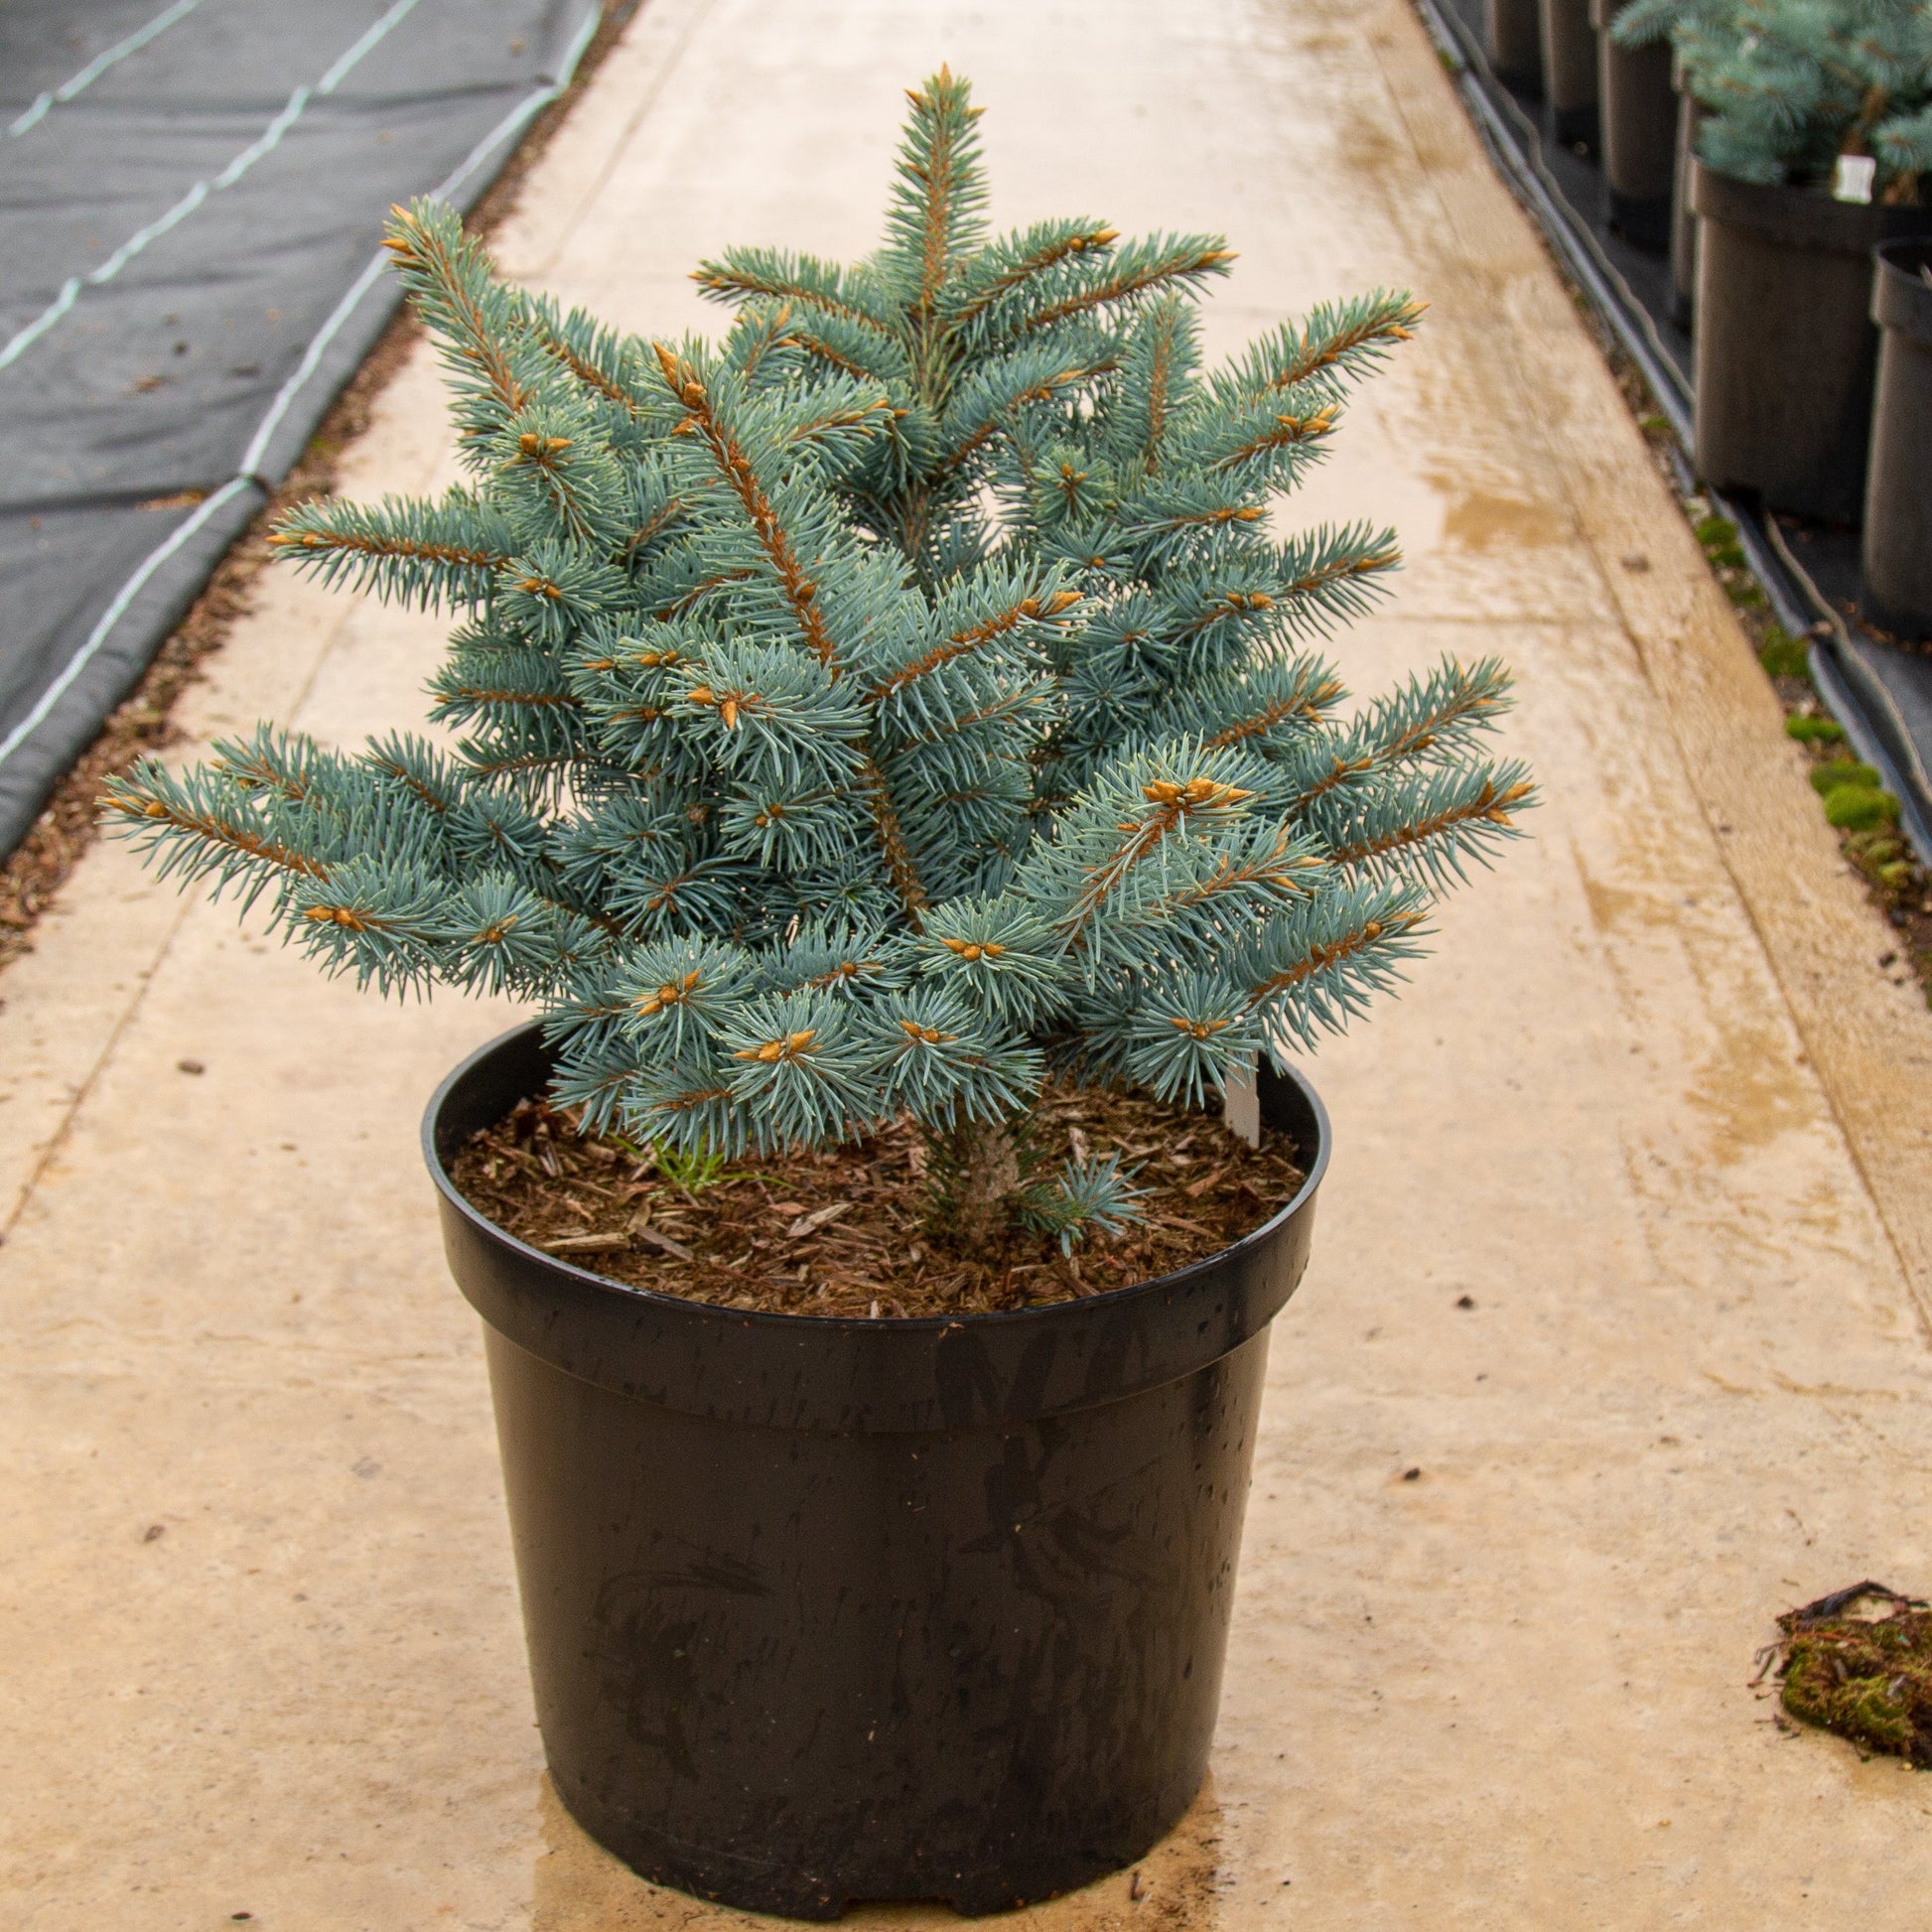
{"points": [[1865, 1677], [1830, 776], [1786, 656], [1861, 808]]}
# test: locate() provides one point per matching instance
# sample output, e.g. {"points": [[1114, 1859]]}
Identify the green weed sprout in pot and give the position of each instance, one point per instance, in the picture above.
{"points": [[1816, 133], [871, 712]]}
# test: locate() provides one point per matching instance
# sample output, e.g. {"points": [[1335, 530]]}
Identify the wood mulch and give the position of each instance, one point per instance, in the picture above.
{"points": [[841, 1232]]}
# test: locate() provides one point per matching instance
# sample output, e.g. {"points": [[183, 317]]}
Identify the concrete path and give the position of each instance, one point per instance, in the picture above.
{"points": [[1654, 1109]]}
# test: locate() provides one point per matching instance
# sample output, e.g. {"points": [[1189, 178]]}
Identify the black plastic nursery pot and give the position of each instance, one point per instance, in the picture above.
{"points": [[825, 1610], [1785, 347], [1569, 70], [1638, 110], [1515, 40], [1897, 546]]}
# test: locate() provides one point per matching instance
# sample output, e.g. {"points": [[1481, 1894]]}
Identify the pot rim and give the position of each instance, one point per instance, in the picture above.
{"points": [[1154, 1287], [1902, 301], [1796, 217]]}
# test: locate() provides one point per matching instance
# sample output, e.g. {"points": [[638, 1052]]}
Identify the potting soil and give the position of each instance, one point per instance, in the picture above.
{"points": [[194, 194]]}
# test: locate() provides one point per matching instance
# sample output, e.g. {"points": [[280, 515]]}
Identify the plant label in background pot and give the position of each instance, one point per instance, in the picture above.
{"points": [[1853, 177]]}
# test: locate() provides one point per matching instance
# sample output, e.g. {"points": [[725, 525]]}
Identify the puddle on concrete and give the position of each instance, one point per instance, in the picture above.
{"points": [[1749, 1091], [578, 1886], [1742, 1078], [1478, 521]]}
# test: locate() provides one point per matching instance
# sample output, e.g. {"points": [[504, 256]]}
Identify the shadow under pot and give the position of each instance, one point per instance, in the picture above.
{"points": [[822, 1610], [1785, 346], [1570, 72], [1515, 45], [1897, 549], [1638, 111]]}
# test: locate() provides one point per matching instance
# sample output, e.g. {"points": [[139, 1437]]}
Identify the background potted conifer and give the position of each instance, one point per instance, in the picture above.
{"points": [[1817, 129], [1898, 537], [1514, 30], [1639, 114], [1682, 217], [1569, 72], [865, 718], [1636, 27]]}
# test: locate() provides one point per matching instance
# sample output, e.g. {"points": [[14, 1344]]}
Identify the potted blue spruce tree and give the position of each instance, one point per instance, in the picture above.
{"points": [[1816, 131], [897, 719]]}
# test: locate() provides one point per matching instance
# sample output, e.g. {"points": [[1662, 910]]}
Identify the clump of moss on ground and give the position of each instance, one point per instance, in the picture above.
{"points": [[1868, 1679]]}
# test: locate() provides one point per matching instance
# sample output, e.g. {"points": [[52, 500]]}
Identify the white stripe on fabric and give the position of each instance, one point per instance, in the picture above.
{"points": [[268, 139], [575, 51], [99, 64], [112, 616], [337, 74], [304, 369], [263, 142]]}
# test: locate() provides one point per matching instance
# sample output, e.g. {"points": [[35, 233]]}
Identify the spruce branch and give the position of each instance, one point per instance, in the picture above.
{"points": [[755, 494], [203, 824], [1006, 266], [1095, 1196], [431, 555], [458, 298], [935, 214], [1125, 274], [1334, 342], [1428, 825], [1316, 970]]}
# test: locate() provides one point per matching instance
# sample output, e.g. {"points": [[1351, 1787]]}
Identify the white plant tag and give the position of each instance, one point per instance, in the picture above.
{"points": [[1241, 1106], [1853, 180]]}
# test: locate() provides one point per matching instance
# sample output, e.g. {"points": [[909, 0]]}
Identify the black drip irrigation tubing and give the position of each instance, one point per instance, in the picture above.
{"points": [[1855, 698]]}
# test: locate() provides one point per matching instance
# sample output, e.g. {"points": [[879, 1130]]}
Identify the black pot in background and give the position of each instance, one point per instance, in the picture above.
{"points": [[1682, 217], [823, 1611], [1785, 346], [1639, 124], [1516, 45], [1569, 70], [1897, 551]]}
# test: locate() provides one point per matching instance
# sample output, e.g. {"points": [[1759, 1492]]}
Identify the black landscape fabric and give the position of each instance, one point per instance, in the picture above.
{"points": [[192, 199]]}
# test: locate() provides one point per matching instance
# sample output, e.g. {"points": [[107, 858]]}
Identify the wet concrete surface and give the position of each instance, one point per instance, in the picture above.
{"points": [[1654, 1111]]}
